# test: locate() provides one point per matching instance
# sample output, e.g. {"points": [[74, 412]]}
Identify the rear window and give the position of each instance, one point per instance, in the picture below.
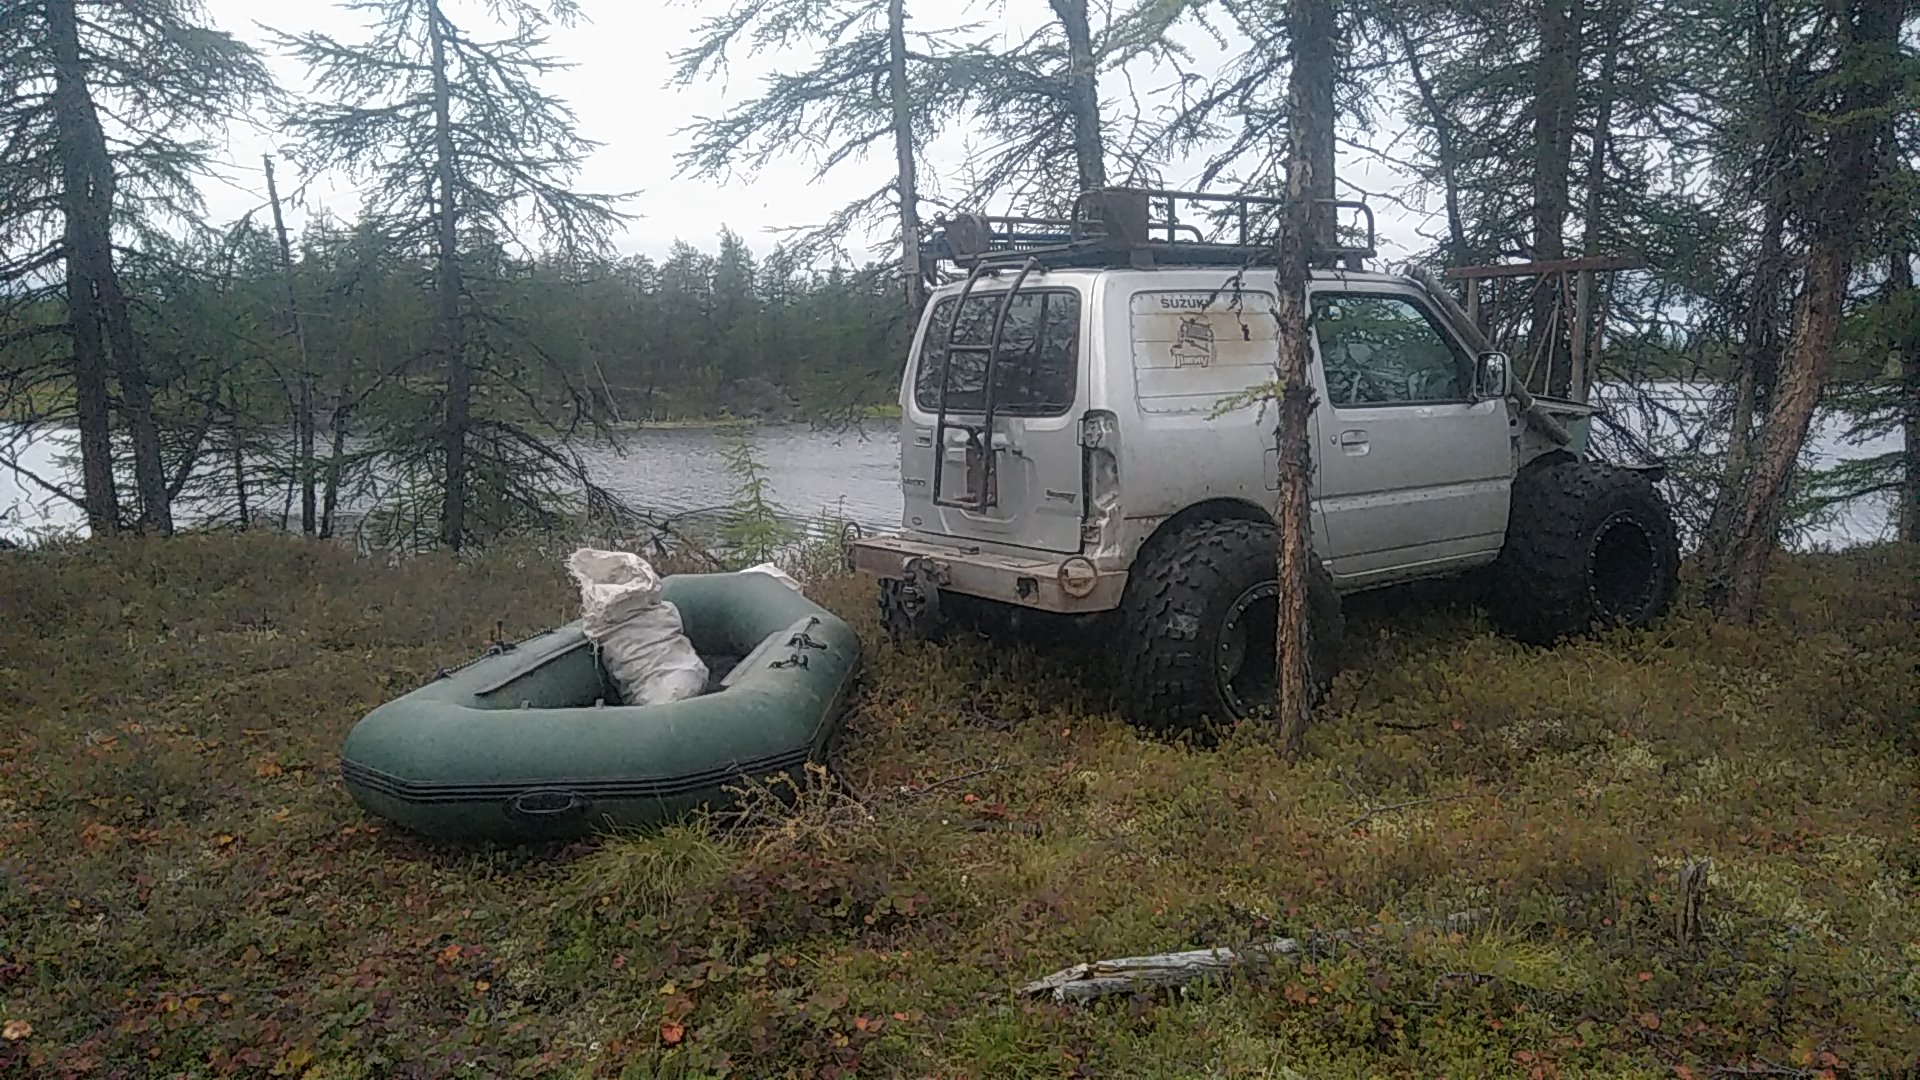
{"points": [[1039, 354]]}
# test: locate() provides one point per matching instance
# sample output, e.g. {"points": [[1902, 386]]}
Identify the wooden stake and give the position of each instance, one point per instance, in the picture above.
{"points": [[1582, 307]]}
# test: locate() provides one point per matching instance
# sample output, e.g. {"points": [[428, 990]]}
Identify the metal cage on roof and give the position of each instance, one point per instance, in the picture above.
{"points": [[1143, 228]]}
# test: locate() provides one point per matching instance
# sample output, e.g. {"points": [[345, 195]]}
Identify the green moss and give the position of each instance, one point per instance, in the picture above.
{"points": [[185, 888]]}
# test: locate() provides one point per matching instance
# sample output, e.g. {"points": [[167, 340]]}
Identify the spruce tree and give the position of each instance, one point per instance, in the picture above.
{"points": [[108, 112], [466, 163]]}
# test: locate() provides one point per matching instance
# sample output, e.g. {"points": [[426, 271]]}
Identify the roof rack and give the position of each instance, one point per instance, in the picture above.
{"points": [[1140, 228]]}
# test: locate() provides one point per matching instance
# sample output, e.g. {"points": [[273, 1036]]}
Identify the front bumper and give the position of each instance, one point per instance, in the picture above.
{"points": [[1067, 584]]}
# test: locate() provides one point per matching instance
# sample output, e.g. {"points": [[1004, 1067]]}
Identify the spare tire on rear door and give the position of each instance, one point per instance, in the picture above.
{"points": [[1589, 546]]}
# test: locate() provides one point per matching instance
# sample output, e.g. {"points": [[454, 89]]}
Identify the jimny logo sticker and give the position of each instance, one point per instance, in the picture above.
{"points": [[1193, 346]]}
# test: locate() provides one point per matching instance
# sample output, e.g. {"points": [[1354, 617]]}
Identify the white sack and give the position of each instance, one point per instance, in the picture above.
{"points": [[639, 635], [775, 573]]}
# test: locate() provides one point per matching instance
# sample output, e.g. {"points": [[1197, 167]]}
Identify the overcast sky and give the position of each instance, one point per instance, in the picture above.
{"points": [[619, 89]]}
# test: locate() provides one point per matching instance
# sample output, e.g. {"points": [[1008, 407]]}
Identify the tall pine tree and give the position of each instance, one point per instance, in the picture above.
{"points": [[108, 109], [464, 156], [1862, 76]]}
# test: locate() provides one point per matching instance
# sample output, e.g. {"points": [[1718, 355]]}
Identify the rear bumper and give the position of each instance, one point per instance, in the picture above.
{"points": [[1068, 584]]}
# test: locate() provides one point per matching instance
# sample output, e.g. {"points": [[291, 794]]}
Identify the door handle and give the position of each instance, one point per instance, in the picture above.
{"points": [[1353, 441]]}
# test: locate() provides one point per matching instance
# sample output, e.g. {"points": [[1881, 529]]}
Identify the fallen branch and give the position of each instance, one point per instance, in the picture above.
{"points": [[1085, 982], [925, 789]]}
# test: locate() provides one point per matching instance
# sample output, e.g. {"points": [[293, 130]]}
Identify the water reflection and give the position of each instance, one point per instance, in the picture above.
{"points": [[852, 475]]}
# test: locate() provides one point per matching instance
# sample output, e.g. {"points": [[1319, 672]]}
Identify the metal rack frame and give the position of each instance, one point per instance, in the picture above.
{"points": [[1140, 228]]}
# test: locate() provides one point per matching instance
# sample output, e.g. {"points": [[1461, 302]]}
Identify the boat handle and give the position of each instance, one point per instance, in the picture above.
{"points": [[547, 804], [804, 640]]}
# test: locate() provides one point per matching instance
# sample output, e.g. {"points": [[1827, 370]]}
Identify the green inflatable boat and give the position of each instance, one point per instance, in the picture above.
{"points": [[527, 742]]}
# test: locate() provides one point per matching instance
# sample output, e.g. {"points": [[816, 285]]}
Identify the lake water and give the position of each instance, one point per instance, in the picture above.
{"points": [[676, 472], [852, 475]]}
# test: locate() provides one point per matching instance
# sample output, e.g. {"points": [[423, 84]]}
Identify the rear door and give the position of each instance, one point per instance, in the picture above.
{"points": [[1414, 472], [1037, 382]]}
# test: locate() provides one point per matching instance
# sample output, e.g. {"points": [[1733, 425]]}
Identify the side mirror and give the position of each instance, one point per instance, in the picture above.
{"points": [[1490, 375]]}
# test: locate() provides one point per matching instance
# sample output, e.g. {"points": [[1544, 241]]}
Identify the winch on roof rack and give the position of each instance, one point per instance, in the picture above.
{"points": [[1143, 228]]}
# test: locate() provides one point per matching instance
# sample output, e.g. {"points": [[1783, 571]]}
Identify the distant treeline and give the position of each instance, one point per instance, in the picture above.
{"points": [[694, 335]]}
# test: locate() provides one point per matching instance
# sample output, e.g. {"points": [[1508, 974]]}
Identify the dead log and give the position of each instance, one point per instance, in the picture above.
{"points": [[1085, 982]]}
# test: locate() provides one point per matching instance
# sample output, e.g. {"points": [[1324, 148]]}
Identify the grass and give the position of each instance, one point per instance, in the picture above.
{"points": [[186, 890]]}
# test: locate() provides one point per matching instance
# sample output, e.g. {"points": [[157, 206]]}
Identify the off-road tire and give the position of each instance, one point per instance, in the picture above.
{"points": [[899, 625], [1179, 597], [1589, 546]]}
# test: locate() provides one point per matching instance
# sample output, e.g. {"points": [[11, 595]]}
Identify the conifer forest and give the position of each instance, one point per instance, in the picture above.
{"points": [[465, 317]]}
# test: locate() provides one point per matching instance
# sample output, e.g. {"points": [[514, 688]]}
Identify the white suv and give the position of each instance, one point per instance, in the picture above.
{"points": [[1064, 448]]}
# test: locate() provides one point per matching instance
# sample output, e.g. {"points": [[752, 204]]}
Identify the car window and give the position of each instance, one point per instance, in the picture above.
{"points": [[1385, 350], [1039, 354]]}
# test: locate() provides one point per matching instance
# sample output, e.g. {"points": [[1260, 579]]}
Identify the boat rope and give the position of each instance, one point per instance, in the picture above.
{"points": [[803, 640], [498, 647], [799, 643]]}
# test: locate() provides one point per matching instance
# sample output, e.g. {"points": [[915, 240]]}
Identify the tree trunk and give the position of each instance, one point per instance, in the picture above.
{"points": [[1309, 89], [1757, 362], [102, 305], [337, 420], [303, 396], [1445, 154], [136, 402], [1837, 205], [82, 204], [907, 181], [1310, 133], [453, 521], [238, 447], [1083, 93], [1600, 142], [1908, 357], [1556, 102], [1734, 591]]}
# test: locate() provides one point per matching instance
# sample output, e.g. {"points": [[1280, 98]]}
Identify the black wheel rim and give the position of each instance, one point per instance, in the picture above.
{"points": [[1622, 571], [1243, 651]]}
